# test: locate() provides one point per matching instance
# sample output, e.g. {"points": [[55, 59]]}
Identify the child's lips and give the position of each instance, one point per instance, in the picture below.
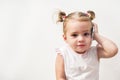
{"points": [[81, 45]]}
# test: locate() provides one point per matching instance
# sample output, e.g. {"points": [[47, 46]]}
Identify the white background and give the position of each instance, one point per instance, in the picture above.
{"points": [[29, 36]]}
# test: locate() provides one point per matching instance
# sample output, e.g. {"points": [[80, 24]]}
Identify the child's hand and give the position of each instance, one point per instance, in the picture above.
{"points": [[95, 27]]}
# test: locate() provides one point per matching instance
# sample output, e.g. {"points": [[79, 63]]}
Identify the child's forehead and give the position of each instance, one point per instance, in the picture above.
{"points": [[79, 25], [76, 21], [79, 30]]}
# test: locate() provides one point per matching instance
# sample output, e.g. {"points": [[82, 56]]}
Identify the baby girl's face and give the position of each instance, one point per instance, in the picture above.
{"points": [[78, 35]]}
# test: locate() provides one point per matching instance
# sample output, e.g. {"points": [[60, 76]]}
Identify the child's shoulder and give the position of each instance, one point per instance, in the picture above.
{"points": [[93, 49], [62, 49]]}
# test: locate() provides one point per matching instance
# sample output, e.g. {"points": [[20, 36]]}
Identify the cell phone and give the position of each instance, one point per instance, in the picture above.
{"points": [[92, 31]]}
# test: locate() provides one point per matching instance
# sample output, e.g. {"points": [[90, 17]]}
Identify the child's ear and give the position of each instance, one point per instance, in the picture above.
{"points": [[64, 37]]}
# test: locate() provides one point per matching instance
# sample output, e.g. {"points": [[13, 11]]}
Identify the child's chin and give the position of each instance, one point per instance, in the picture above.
{"points": [[80, 52]]}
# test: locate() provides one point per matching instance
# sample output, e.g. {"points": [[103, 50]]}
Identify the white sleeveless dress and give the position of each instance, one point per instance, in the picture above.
{"points": [[80, 66]]}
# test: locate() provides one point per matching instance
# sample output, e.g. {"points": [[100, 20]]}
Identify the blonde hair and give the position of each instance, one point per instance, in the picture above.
{"points": [[81, 16]]}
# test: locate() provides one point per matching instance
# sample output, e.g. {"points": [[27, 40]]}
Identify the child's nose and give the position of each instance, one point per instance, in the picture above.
{"points": [[80, 38]]}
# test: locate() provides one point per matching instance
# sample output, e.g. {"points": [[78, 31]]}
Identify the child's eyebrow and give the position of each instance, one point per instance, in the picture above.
{"points": [[80, 32], [75, 32], [86, 31]]}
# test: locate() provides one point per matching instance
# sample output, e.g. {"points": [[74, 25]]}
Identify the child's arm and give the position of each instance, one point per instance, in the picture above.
{"points": [[106, 48], [60, 74]]}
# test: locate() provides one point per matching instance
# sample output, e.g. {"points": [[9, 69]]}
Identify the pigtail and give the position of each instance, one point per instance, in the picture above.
{"points": [[91, 14], [61, 16]]}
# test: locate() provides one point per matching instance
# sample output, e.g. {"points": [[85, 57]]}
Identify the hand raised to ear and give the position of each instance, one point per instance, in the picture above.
{"points": [[95, 32], [95, 27]]}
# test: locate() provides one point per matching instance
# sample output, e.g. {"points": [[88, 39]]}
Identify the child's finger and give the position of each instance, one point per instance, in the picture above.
{"points": [[95, 28]]}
